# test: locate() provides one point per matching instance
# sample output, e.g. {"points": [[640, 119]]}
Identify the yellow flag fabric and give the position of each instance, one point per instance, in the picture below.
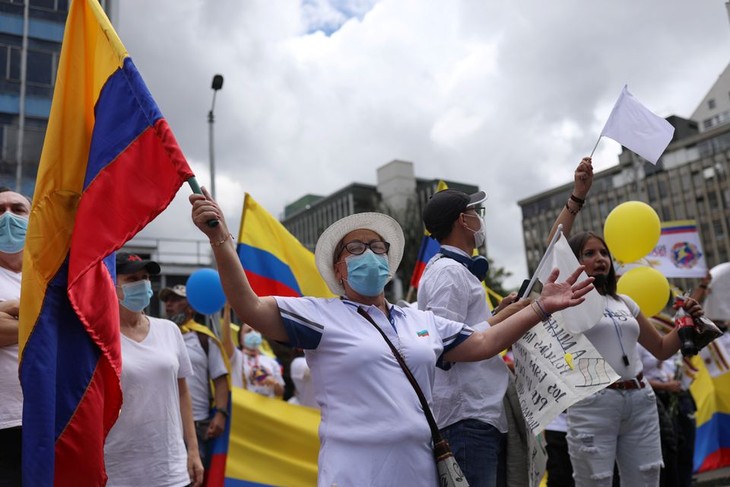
{"points": [[272, 442]]}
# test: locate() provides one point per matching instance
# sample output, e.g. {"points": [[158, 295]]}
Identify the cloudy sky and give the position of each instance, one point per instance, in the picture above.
{"points": [[503, 94]]}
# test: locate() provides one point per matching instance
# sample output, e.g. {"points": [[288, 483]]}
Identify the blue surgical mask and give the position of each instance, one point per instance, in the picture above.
{"points": [[252, 340], [12, 232], [367, 273], [137, 295]]}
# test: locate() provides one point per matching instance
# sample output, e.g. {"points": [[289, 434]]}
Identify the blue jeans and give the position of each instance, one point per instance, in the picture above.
{"points": [[479, 449]]}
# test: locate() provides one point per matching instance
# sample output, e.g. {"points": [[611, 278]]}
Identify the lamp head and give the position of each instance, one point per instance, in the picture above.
{"points": [[217, 82]]}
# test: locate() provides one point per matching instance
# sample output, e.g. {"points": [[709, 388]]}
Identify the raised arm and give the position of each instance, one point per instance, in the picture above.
{"points": [[583, 179], [260, 313], [488, 343]]}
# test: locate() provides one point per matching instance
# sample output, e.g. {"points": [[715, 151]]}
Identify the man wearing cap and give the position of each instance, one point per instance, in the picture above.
{"points": [[468, 398], [209, 364], [14, 211], [153, 441]]}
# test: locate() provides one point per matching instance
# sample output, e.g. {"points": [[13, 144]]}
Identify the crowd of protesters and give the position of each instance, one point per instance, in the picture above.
{"points": [[353, 358]]}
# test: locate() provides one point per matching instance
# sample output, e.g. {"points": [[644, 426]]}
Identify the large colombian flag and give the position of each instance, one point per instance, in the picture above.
{"points": [[711, 392], [109, 165], [276, 263]]}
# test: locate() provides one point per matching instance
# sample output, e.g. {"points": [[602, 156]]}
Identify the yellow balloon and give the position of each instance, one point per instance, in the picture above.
{"points": [[631, 231], [647, 286]]}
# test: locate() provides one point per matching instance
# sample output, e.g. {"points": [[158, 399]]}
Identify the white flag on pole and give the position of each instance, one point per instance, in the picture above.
{"points": [[579, 318], [635, 127]]}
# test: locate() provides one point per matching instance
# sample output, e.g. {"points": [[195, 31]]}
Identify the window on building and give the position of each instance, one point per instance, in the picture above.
{"points": [[706, 124], [47, 4], [40, 67], [711, 104], [717, 227], [712, 200]]}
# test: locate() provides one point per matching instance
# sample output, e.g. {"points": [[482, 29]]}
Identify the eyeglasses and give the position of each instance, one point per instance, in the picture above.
{"points": [[356, 247], [480, 210]]}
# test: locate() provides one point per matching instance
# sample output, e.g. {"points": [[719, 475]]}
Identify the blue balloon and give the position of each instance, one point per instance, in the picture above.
{"points": [[205, 292]]}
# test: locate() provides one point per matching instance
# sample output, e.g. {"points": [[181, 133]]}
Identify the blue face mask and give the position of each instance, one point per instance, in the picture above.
{"points": [[252, 340], [12, 232], [137, 295], [367, 273]]}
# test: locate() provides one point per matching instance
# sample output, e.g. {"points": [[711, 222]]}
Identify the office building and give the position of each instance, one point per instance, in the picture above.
{"points": [[30, 45]]}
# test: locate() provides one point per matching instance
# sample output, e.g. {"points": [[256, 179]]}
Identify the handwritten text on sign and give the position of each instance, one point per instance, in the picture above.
{"points": [[545, 383]]}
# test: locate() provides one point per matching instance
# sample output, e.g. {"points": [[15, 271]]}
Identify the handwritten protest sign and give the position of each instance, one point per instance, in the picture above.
{"points": [[545, 383]]}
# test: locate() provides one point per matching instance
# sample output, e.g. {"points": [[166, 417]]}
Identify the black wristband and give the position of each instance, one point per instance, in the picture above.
{"points": [[224, 412], [577, 200]]}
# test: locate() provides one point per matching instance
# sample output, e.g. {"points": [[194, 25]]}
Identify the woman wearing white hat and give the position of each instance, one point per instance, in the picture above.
{"points": [[373, 429]]}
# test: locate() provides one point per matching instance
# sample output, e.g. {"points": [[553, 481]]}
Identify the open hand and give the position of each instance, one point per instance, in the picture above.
{"points": [[556, 296]]}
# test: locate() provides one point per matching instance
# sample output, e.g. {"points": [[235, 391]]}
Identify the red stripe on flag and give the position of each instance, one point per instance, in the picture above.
{"points": [[263, 286], [718, 459], [80, 440]]}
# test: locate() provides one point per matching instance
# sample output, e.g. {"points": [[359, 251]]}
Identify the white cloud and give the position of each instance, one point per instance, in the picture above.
{"points": [[507, 95]]}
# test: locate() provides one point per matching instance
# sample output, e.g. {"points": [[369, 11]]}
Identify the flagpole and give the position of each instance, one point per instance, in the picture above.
{"points": [[542, 261], [195, 187], [596, 146]]}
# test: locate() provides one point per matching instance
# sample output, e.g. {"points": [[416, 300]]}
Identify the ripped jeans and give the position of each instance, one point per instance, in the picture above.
{"points": [[615, 425]]}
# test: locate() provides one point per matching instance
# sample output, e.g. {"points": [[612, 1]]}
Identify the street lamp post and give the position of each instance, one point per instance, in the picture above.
{"points": [[217, 85]]}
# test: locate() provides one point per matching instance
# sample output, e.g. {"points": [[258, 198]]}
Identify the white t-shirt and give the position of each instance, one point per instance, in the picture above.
{"points": [[255, 370], [301, 376], [469, 390], [11, 395], [618, 323], [205, 367], [373, 429], [146, 446]]}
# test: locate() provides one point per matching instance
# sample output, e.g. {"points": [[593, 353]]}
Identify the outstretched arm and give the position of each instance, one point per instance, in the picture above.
{"points": [[260, 313], [488, 343], [583, 179]]}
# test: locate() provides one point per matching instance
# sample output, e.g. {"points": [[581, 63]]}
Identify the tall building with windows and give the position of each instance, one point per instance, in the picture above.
{"points": [[31, 32], [714, 110]]}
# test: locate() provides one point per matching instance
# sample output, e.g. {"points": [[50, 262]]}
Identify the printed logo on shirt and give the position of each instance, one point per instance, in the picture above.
{"points": [[422, 333]]}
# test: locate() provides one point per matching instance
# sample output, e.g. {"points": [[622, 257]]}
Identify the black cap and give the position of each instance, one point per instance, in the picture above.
{"points": [[130, 263], [444, 207]]}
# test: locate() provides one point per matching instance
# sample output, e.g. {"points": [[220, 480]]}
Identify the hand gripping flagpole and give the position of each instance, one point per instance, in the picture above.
{"points": [[196, 189]]}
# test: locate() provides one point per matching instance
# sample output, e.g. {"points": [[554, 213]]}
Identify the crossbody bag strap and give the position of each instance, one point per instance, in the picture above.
{"points": [[424, 404]]}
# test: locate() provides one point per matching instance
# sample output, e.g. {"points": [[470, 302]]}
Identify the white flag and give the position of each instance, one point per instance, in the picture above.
{"points": [[578, 318], [635, 127]]}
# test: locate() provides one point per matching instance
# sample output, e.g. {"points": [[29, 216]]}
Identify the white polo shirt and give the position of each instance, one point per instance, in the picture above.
{"points": [[469, 390], [373, 428]]}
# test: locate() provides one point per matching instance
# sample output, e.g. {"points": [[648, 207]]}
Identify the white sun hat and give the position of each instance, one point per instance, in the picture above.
{"points": [[383, 225]]}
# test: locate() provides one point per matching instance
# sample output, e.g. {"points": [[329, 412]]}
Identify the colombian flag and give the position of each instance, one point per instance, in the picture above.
{"points": [[110, 164], [711, 391], [276, 264], [429, 248]]}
